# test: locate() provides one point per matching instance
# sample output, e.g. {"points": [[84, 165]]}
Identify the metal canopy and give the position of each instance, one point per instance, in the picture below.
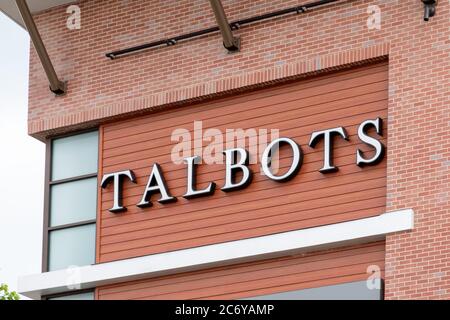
{"points": [[9, 7]]}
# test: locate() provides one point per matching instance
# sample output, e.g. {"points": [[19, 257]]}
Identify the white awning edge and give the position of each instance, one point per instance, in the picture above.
{"points": [[280, 244]]}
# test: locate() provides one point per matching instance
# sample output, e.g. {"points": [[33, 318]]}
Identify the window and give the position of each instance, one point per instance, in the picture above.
{"points": [[83, 295], [345, 291], [71, 201]]}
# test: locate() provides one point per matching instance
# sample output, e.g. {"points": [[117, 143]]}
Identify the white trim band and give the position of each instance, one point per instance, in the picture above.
{"points": [[323, 237]]}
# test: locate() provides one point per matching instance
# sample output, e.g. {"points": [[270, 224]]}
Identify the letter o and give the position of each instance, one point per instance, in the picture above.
{"points": [[296, 160]]}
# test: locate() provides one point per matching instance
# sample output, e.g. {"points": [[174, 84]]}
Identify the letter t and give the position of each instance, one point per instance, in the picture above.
{"points": [[328, 146], [117, 178]]}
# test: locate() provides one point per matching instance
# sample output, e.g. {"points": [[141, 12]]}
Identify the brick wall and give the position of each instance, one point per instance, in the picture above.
{"points": [[417, 263]]}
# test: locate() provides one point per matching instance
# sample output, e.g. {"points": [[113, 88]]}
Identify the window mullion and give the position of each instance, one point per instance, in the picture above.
{"points": [[72, 225]]}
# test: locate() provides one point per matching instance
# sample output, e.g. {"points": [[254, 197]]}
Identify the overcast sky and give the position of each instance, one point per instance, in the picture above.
{"points": [[21, 163]]}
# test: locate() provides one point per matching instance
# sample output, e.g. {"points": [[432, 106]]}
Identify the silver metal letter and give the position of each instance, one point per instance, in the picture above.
{"points": [[328, 146], [379, 147], [117, 178], [297, 159], [192, 180], [156, 183], [232, 166]]}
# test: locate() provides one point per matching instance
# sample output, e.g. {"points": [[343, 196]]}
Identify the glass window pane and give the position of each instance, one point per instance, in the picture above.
{"points": [[71, 247], [345, 291], [80, 296], [74, 156], [73, 202]]}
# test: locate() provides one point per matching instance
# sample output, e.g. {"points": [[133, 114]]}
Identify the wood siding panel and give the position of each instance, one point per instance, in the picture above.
{"points": [[257, 278], [265, 207]]}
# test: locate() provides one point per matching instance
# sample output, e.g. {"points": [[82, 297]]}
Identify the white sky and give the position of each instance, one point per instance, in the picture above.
{"points": [[21, 163]]}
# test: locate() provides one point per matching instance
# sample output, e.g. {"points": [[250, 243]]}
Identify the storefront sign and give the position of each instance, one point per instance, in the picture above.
{"points": [[234, 168]]}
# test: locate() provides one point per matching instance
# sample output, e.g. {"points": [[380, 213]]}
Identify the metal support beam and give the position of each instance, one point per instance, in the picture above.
{"points": [[230, 42], [56, 86]]}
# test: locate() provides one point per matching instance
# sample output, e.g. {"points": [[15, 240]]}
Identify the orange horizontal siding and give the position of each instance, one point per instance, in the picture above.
{"points": [[257, 278], [265, 207]]}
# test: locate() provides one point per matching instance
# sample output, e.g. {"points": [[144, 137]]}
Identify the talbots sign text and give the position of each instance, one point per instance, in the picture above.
{"points": [[237, 172]]}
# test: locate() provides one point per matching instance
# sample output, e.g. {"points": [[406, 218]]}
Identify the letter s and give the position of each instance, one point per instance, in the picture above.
{"points": [[379, 147]]}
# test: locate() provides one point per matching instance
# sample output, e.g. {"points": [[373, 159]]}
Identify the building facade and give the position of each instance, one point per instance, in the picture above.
{"points": [[356, 92]]}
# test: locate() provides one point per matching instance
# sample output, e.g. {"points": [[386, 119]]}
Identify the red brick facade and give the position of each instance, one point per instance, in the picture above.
{"points": [[331, 37]]}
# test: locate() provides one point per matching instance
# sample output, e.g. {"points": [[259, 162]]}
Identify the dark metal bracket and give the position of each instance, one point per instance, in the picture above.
{"points": [[430, 9]]}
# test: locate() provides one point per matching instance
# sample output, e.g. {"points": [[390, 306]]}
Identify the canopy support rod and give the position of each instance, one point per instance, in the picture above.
{"points": [[56, 86], [231, 43]]}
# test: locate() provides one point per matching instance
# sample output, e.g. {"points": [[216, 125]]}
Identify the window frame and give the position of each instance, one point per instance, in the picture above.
{"points": [[47, 194], [67, 294], [273, 296]]}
